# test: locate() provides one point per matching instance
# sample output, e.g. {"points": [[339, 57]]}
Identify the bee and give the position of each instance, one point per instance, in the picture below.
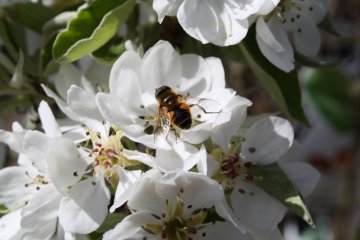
{"points": [[175, 111]]}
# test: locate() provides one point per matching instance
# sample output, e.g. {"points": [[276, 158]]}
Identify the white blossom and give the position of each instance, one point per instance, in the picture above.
{"points": [[131, 103], [300, 18], [221, 22], [46, 178], [172, 206], [267, 141]]}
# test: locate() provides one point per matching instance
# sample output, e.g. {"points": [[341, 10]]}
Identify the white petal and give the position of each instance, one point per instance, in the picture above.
{"points": [[128, 60], [318, 9], [267, 140], [274, 44], [124, 188], [182, 156], [127, 90], [34, 145], [222, 133], [211, 21], [13, 140], [211, 166], [197, 134], [166, 8], [10, 226], [243, 9], [196, 75], [139, 156], [13, 192], [61, 103], [48, 121], [144, 197], [68, 74], [98, 73], [197, 190], [216, 68], [82, 103], [106, 105], [256, 210], [267, 7], [64, 163], [81, 107], [84, 210], [39, 216], [161, 66], [130, 225], [306, 37], [303, 175], [224, 211]]}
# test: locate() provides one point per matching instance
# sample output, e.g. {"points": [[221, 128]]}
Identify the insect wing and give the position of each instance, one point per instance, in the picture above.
{"points": [[162, 127], [203, 109]]}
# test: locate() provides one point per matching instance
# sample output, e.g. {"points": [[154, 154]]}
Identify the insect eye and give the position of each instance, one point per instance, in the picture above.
{"points": [[160, 90]]}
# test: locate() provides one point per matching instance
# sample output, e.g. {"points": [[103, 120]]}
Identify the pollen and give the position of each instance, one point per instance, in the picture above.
{"points": [[107, 153], [36, 181], [232, 168], [176, 223]]}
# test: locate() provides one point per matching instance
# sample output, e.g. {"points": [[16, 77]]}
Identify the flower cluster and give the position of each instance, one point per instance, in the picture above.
{"points": [[226, 22], [164, 149]]}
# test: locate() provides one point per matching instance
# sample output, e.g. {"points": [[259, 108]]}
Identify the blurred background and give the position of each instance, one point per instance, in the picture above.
{"points": [[331, 98]]}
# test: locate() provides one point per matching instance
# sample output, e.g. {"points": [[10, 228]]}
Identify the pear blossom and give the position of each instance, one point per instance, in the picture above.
{"points": [[300, 19], [267, 141], [132, 106], [47, 180], [107, 157], [173, 206], [222, 23]]}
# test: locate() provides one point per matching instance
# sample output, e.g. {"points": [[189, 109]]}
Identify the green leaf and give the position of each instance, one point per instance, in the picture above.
{"points": [[13, 37], [91, 28], [3, 209], [328, 25], [48, 65], [111, 51], [31, 15], [284, 87], [329, 90], [275, 182], [6, 63]]}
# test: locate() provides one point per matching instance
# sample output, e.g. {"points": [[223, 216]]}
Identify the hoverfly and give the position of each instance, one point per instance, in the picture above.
{"points": [[175, 111]]}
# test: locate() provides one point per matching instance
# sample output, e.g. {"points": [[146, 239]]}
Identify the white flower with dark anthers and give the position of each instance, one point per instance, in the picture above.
{"points": [[50, 184], [298, 17], [173, 206], [106, 155], [265, 142], [131, 103], [221, 22]]}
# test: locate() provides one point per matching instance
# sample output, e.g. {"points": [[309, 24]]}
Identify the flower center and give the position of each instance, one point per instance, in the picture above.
{"points": [[289, 11], [176, 225], [231, 168], [108, 156], [36, 181]]}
